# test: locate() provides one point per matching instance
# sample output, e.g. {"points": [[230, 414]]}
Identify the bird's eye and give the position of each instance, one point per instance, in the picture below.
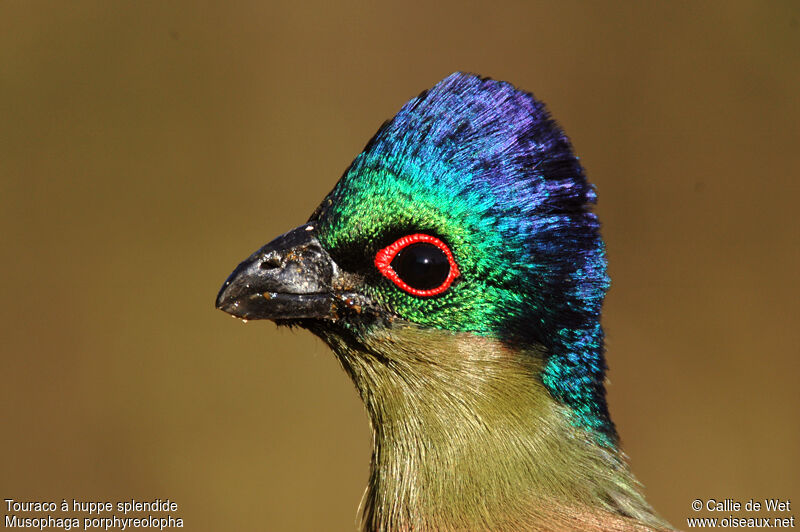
{"points": [[419, 264]]}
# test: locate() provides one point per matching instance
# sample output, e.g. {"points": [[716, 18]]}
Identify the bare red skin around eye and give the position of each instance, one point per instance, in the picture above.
{"points": [[384, 258]]}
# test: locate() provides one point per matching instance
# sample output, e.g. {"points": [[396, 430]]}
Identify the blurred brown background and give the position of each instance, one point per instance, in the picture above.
{"points": [[147, 147]]}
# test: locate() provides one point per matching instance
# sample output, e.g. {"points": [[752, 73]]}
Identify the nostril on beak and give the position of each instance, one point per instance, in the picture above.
{"points": [[270, 262]]}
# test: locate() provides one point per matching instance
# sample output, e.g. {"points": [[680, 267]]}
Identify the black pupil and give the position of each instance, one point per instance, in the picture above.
{"points": [[422, 266]]}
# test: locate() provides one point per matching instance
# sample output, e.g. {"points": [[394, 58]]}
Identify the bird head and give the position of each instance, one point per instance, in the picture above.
{"points": [[458, 273], [467, 212]]}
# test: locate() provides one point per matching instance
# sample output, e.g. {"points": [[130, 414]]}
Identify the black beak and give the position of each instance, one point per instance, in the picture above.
{"points": [[292, 277]]}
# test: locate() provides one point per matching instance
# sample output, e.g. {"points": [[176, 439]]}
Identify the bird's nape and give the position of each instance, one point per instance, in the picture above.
{"points": [[457, 272]]}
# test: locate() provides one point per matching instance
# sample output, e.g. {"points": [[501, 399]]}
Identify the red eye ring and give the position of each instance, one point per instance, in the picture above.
{"points": [[384, 258]]}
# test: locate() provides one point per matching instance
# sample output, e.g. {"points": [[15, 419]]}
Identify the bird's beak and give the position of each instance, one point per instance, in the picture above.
{"points": [[292, 277]]}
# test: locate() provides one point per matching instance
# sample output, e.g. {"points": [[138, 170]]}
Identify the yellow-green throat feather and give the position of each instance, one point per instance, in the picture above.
{"points": [[466, 439]]}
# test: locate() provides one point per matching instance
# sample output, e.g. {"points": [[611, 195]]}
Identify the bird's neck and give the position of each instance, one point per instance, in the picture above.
{"points": [[467, 438]]}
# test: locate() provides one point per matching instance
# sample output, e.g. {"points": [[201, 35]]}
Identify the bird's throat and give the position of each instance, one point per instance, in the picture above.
{"points": [[466, 437]]}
